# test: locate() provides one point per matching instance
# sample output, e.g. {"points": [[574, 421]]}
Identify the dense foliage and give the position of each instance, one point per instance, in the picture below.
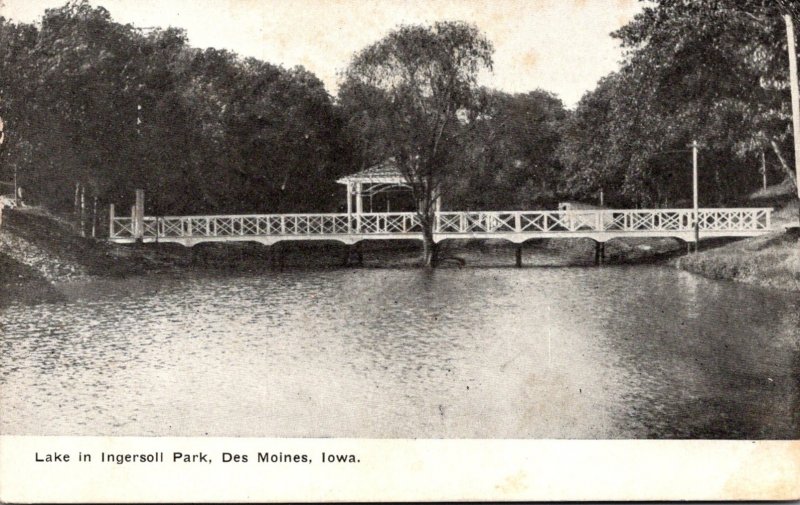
{"points": [[112, 107], [90, 101], [715, 71]]}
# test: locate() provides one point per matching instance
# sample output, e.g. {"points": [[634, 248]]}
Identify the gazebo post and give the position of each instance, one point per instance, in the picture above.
{"points": [[349, 207], [384, 174], [359, 206]]}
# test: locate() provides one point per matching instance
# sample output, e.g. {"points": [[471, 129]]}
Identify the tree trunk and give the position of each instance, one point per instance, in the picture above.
{"points": [[429, 248], [786, 168]]}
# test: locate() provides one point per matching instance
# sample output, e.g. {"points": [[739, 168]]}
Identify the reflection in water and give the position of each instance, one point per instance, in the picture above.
{"points": [[618, 352]]}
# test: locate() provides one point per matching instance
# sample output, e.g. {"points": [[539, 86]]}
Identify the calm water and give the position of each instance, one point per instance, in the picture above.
{"points": [[614, 352]]}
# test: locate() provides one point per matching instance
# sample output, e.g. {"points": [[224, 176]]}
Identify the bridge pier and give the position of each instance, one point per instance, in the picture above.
{"points": [[276, 257], [350, 250], [518, 255], [599, 253], [359, 254], [346, 257]]}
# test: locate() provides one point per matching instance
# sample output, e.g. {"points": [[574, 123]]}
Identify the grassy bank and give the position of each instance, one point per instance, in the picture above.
{"points": [[771, 261], [21, 283]]}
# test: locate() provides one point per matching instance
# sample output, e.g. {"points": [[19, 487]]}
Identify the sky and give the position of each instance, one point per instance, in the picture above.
{"points": [[562, 46]]}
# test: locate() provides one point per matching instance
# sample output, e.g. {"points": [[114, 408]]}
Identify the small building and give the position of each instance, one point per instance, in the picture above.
{"points": [[579, 206], [379, 188]]}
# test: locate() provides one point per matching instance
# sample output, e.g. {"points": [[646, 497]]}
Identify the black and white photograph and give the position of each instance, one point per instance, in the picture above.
{"points": [[571, 220]]}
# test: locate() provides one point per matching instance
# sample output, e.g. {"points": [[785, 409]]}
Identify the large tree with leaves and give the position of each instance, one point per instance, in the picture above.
{"points": [[418, 87], [110, 107], [507, 158], [708, 70]]}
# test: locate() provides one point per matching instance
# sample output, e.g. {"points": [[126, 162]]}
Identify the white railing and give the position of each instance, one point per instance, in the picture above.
{"points": [[604, 220], [448, 223], [269, 225]]}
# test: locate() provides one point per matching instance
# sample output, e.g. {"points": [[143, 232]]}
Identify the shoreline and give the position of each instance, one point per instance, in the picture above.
{"points": [[21, 283], [770, 261]]}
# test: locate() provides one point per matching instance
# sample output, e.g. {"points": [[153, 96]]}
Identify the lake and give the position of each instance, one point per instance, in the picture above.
{"points": [[544, 352]]}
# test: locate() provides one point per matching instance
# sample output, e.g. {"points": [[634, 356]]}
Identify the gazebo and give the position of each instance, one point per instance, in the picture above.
{"points": [[384, 177]]}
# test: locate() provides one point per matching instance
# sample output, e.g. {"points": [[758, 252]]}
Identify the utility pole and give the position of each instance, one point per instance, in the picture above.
{"points": [[16, 190], [795, 97], [694, 196], [2, 138]]}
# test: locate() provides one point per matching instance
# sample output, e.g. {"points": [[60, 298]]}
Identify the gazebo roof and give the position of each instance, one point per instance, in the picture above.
{"points": [[385, 172]]}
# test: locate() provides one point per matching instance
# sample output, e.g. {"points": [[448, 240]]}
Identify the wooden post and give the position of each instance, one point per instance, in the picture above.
{"points": [[139, 215], [359, 254], [359, 207], [359, 200], [599, 253], [349, 207], [111, 220], [695, 196], [77, 200], [795, 96], [83, 211], [346, 257], [276, 256], [519, 255], [94, 217], [16, 187]]}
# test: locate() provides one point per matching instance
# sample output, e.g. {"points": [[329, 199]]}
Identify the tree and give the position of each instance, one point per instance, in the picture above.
{"points": [[418, 87], [114, 108], [708, 70], [507, 158]]}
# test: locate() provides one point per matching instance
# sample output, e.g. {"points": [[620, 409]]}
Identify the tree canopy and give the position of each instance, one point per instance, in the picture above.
{"points": [[112, 107], [714, 71], [411, 95]]}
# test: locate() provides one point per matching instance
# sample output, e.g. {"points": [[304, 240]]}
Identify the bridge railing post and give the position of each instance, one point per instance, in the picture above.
{"points": [[517, 222], [110, 220]]}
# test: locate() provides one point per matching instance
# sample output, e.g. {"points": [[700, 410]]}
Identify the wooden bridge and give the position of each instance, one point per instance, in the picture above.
{"points": [[514, 226]]}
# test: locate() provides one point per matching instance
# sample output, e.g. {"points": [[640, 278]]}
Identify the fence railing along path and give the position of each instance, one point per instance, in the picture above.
{"points": [[515, 226]]}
